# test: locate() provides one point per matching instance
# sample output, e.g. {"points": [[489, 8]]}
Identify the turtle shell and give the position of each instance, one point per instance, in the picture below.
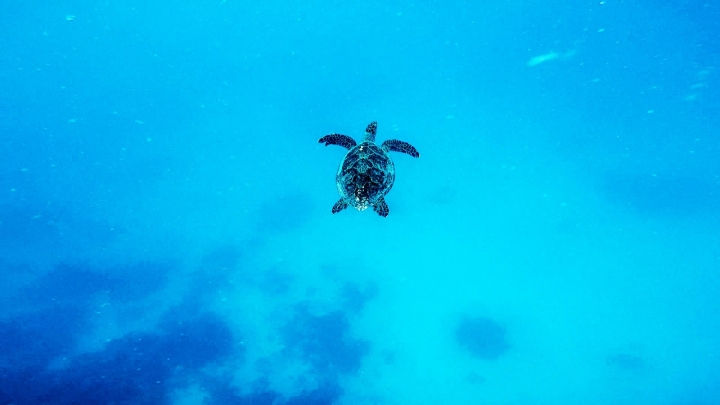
{"points": [[365, 175]]}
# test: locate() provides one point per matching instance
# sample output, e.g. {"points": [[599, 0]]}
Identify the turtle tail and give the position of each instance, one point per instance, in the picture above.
{"points": [[370, 131]]}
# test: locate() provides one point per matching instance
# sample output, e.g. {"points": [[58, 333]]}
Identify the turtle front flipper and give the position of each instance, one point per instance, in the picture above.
{"points": [[381, 207], [394, 145], [338, 139], [339, 206]]}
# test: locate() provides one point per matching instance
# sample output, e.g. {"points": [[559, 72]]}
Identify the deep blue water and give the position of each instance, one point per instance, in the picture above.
{"points": [[165, 225]]}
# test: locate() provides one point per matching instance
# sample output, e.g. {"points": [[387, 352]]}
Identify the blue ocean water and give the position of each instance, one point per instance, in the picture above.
{"points": [[166, 234]]}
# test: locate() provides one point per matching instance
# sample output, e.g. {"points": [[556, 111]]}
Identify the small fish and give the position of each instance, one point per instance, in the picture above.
{"points": [[543, 58]]}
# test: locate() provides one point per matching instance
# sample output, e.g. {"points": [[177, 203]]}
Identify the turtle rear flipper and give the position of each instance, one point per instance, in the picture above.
{"points": [[394, 145], [338, 139], [339, 206], [381, 207]]}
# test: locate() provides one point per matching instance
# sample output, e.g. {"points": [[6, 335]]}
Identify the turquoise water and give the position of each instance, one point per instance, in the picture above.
{"points": [[166, 234]]}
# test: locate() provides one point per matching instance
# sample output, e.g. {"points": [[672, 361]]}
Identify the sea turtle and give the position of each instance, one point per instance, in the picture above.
{"points": [[366, 172]]}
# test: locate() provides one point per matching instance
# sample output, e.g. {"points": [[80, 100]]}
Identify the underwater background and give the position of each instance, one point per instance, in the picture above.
{"points": [[165, 225]]}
